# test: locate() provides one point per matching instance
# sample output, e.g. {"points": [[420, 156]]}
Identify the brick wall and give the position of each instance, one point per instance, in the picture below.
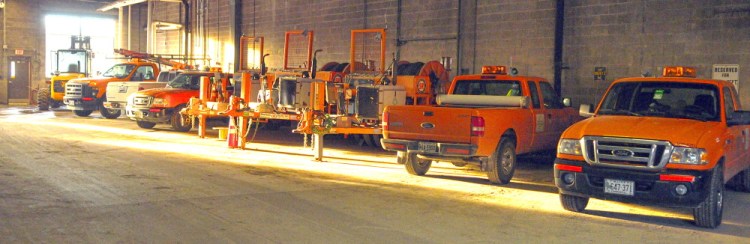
{"points": [[632, 37]]}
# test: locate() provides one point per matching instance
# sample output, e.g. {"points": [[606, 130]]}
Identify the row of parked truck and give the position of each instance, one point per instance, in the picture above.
{"points": [[674, 140]]}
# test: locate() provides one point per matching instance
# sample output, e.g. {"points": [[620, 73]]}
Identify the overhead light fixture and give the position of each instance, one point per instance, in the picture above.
{"points": [[124, 3], [164, 26]]}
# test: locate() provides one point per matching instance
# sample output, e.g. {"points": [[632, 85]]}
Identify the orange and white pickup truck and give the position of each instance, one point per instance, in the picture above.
{"points": [[671, 141], [485, 119]]}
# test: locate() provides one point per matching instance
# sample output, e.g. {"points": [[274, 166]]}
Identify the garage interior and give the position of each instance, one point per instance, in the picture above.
{"points": [[90, 179]]}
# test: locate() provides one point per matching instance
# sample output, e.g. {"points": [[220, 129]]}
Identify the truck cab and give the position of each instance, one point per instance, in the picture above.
{"points": [[85, 95], [163, 105], [671, 141]]}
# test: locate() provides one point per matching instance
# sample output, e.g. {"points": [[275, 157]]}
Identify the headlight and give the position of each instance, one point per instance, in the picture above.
{"points": [[159, 102], [569, 146], [688, 155]]}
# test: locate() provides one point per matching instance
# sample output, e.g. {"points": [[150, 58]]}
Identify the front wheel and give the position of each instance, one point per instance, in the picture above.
{"points": [[417, 166], [503, 162], [43, 99], [574, 203], [109, 113], [145, 124], [709, 213], [83, 113], [179, 122]]}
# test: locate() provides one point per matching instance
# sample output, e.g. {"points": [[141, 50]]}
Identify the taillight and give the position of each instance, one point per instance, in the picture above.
{"points": [[477, 126], [141, 88], [385, 120], [88, 99]]}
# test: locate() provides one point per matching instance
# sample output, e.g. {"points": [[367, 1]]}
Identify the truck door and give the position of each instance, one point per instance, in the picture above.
{"points": [[555, 118], [737, 139], [539, 116]]}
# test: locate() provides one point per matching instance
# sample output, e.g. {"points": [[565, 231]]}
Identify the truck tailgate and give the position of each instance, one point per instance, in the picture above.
{"points": [[428, 123]]}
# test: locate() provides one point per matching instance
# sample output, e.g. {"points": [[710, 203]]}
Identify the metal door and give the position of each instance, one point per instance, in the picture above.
{"points": [[19, 77]]}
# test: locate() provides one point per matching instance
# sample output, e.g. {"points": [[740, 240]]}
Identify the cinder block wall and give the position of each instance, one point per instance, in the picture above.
{"points": [[627, 37], [24, 30], [633, 37]]}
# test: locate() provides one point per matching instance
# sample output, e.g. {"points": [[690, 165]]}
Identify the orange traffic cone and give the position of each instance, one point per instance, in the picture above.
{"points": [[232, 134]]}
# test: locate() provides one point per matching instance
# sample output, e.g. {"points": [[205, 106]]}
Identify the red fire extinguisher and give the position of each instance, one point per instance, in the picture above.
{"points": [[232, 134]]}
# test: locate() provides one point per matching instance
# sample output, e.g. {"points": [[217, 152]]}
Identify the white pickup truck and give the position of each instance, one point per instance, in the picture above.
{"points": [[118, 92]]}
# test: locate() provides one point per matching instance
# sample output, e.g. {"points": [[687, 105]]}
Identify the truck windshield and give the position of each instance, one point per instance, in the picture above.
{"points": [[663, 99], [72, 61], [119, 70], [488, 87], [186, 81]]}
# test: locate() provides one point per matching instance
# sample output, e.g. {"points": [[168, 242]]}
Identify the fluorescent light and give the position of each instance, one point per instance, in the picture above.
{"points": [[124, 3]]}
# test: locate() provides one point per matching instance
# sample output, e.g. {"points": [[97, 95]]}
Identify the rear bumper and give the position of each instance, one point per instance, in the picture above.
{"points": [[77, 103], [149, 115], [649, 189], [444, 151]]}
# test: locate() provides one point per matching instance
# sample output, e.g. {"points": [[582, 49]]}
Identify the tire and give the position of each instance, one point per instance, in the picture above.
{"points": [[573, 203], [145, 124], [416, 166], [54, 104], [503, 162], [109, 113], [709, 213], [179, 122], [43, 99], [401, 157], [83, 113]]}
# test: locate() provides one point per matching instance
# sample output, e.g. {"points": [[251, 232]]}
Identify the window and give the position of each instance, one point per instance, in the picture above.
{"points": [[550, 97], [534, 94], [488, 87], [144, 73], [663, 99], [728, 102]]}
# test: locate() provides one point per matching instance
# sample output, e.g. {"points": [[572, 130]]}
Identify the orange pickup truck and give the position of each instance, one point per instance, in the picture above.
{"points": [[486, 120], [671, 141]]}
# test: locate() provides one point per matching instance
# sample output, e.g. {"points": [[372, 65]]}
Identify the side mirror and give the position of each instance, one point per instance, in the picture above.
{"points": [[585, 111], [739, 118], [566, 102]]}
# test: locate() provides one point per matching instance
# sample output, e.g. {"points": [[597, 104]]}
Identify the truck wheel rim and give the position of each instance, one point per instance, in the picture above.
{"points": [[184, 120], [719, 200], [506, 160]]}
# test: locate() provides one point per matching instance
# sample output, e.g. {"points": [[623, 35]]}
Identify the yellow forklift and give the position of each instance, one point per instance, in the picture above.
{"points": [[68, 64]]}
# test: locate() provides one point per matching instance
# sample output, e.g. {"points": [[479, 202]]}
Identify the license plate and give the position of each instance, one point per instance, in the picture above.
{"points": [[138, 114], [107, 105], [619, 187], [123, 89], [72, 102], [428, 146]]}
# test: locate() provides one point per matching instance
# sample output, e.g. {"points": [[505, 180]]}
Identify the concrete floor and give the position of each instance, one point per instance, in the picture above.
{"points": [[69, 179]]}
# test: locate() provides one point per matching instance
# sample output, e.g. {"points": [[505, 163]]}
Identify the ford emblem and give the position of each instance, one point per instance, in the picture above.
{"points": [[624, 153], [427, 125]]}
